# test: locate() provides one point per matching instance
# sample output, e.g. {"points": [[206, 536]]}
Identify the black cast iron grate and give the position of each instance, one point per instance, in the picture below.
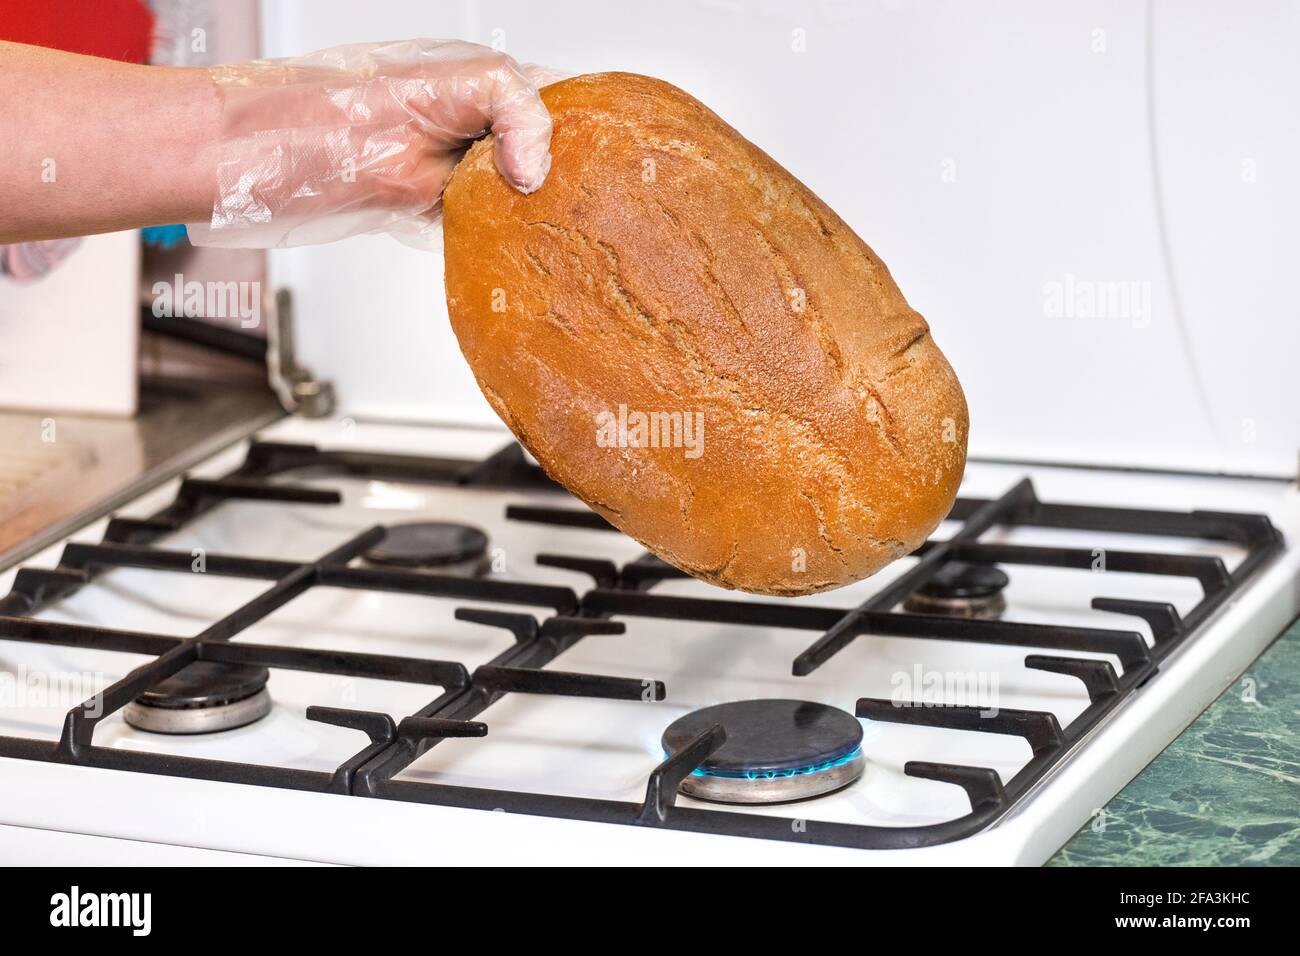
{"points": [[619, 591]]}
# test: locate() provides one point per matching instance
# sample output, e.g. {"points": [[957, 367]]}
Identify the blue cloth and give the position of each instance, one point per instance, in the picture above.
{"points": [[164, 237]]}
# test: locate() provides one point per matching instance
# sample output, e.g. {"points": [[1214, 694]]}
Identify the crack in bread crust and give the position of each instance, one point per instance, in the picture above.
{"points": [[708, 379]]}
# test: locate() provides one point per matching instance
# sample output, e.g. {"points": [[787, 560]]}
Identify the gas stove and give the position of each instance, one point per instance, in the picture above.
{"points": [[378, 643]]}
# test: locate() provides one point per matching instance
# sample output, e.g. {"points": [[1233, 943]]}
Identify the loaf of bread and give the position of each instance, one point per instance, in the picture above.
{"points": [[696, 346]]}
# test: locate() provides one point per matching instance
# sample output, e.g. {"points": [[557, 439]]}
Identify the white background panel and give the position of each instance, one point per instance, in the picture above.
{"points": [[987, 151]]}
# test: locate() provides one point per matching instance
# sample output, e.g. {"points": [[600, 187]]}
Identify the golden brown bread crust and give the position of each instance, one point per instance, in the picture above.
{"points": [[669, 265]]}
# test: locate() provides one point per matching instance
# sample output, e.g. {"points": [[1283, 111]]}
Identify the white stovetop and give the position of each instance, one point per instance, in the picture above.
{"points": [[600, 749]]}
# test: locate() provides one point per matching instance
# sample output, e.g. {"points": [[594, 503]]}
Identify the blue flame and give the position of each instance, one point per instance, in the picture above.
{"points": [[849, 757]]}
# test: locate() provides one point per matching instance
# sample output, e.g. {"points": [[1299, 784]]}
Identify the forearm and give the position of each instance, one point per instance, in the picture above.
{"points": [[353, 139], [90, 145]]}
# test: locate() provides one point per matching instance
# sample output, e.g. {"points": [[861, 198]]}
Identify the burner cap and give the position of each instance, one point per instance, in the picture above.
{"points": [[430, 544], [961, 590], [776, 751], [202, 698], [957, 579]]}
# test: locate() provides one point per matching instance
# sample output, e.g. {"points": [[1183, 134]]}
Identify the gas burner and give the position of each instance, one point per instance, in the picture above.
{"points": [[202, 698], [959, 589], [776, 751], [439, 546]]}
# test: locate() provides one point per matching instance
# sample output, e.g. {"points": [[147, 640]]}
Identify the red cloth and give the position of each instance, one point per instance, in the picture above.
{"points": [[117, 29]]}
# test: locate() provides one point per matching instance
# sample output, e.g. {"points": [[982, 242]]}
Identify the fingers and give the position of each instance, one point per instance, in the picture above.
{"points": [[463, 90], [522, 129], [522, 149]]}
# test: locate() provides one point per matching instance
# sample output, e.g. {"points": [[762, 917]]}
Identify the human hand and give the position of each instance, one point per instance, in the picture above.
{"points": [[362, 138]]}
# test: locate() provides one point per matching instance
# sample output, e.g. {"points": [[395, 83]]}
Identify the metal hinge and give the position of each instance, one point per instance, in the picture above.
{"points": [[299, 391]]}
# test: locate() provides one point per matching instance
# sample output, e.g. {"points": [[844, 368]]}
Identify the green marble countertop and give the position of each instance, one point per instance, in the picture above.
{"points": [[1225, 793]]}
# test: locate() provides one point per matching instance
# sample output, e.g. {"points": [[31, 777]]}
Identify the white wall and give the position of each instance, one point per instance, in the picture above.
{"points": [[988, 151]]}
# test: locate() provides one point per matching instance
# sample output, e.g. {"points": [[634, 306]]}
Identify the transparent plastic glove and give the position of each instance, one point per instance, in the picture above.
{"points": [[362, 138]]}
